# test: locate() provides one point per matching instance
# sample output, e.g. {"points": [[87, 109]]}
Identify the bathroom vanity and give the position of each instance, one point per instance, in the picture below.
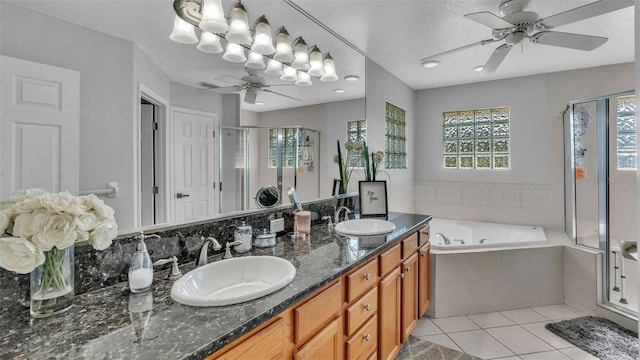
{"points": [[347, 293]]}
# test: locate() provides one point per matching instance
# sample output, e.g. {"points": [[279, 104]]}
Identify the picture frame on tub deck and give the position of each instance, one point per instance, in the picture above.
{"points": [[373, 198]]}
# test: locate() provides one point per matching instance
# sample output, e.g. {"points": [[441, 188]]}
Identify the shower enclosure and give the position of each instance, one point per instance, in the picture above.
{"points": [[600, 175], [256, 157]]}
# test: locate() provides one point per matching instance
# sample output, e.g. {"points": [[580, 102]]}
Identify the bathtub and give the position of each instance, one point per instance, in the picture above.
{"points": [[474, 234]]}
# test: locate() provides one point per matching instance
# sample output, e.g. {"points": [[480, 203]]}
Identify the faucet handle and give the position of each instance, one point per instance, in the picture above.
{"points": [[175, 270], [227, 252], [329, 222]]}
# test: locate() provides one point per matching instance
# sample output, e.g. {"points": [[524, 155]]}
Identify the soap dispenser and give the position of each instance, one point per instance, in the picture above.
{"points": [[243, 237], [141, 269]]}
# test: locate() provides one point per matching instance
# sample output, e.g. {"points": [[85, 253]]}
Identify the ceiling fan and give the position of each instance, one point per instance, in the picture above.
{"points": [[516, 25], [251, 84]]}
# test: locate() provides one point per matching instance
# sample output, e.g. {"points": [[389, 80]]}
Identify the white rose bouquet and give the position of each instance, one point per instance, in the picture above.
{"points": [[37, 226]]}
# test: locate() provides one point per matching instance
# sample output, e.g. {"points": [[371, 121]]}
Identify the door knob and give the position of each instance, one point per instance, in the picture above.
{"points": [[181, 195]]}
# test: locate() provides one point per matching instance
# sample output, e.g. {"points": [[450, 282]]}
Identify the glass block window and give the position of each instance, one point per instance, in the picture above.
{"points": [[289, 152], [395, 140], [356, 130], [476, 139], [626, 139]]}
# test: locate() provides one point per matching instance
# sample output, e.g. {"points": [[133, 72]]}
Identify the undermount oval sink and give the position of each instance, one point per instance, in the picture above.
{"points": [[233, 281], [364, 227]]}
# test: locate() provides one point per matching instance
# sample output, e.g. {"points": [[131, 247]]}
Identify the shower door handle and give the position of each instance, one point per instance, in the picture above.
{"points": [[181, 195]]}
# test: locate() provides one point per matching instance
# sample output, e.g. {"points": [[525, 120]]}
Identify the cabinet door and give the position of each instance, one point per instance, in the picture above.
{"points": [[326, 344], [389, 315], [409, 295], [266, 344], [424, 298]]}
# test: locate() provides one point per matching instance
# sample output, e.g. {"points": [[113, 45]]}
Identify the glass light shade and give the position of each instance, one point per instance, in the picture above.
{"points": [[210, 43], [262, 40], [273, 68], [289, 74], [183, 32], [239, 32], [213, 20], [284, 53], [329, 69], [315, 60], [256, 61], [303, 79], [300, 55], [234, 53]]}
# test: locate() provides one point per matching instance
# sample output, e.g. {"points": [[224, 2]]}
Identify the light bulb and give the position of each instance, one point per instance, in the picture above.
{"points": [[183, 32], [329, 69], [315, 61], [262, 41], [234, 53], [213, 20], [210, 43], [239, 32]]}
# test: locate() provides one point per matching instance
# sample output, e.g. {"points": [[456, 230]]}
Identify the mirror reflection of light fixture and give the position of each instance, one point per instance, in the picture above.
{"points": [[239, 32], [234, 53], [183, 32], [300, 55], [255, 61], [273, 68], [213, 20], [430, 63], [329, 69], [289, 74], [303, 79], [315, 61], [210, 43], [262, 40], [284, 52]]}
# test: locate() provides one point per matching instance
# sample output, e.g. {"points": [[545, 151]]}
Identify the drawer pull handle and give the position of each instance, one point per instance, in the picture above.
{"points": [[367, 337], [367, 307], [422, 254], [407, 269], [367, 276], [402, 276]]}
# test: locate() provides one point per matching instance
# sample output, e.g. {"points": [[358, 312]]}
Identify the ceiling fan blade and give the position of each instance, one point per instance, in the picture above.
{"points": [[205, 86], [496, 59], [250, 96], [584, 12], [277, 93], [229, 79], [568, 40], [481, 42], [489, 19]]}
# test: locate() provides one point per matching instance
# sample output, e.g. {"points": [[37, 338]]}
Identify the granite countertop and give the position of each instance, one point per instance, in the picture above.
{"points": [[113, 323]]}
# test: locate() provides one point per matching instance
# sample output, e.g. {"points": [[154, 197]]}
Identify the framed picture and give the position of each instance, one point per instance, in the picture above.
{"points": [[337, 187], [373, 198]]}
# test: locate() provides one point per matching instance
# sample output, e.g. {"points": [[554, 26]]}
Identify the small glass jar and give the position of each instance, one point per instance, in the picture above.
{"points": [[243, 235]]}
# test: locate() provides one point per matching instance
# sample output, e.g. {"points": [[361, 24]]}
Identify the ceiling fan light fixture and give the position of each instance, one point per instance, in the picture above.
{"points": [[478, 68], [255, 61], [234, 53], [183, 32], [303, 79], [213, 19], [210, 43], [284, 52], [262, 40], [289, 74], [315, 61], [300, 55], [329, 69], [429, 63], [239, 31], [273, 68]]}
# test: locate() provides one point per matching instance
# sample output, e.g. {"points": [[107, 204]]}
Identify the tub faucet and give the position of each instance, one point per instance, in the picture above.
{"points": [[446, 239], [336, 215], [202, 257]]}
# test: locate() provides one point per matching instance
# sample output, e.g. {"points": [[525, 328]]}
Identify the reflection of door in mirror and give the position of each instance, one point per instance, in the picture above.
{"points": [[149, 157], [234, 169]]}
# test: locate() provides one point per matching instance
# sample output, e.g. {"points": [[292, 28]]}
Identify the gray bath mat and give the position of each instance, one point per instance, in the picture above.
{"points": [[420, 349], [599, 337]]}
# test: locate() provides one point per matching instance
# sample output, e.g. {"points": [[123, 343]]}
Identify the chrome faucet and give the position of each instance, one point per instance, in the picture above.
{"points": [[446, 239], [202, 257], [336, 214]]}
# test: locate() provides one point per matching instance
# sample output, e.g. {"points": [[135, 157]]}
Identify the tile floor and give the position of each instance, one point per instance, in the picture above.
{"points": [[506, 335]]}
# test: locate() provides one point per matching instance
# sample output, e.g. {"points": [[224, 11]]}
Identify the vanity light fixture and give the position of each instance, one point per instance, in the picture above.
{"points": [[329, 69], [478, 68], [262, 41], [315, 61], [303, 79], [273, 68], [239, 31], [183, 32], [352, 77], [234, 53], [213, 20], [255, 61], [289, 74], [430, 63], [210, 43], [284, 52], [300, 55]]}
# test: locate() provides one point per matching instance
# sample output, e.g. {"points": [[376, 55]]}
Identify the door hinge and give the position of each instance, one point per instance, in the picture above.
{"points": [[155, 126], [220, 186], [214, 185], [155, 190], [214, 133]]}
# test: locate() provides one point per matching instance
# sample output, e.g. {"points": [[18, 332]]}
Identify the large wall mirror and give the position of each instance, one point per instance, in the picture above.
{"points": [[132, 74]]}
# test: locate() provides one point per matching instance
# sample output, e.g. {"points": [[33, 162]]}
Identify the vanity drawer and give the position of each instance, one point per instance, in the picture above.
{"points": [[390, 259], [410, 245], [364, 342], [362, 310], [317, 312], [362, 279], [424, 236]]}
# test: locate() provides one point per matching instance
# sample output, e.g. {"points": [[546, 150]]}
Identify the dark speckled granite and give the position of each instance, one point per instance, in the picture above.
{"points": [[109, 323]]}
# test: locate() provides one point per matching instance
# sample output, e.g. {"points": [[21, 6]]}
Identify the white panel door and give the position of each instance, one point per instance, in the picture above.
{"points": [[39, 127], [195, 156]]}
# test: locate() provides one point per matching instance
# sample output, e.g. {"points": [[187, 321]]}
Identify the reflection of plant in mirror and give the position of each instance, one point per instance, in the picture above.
{"points": [[372, 167], [346, 165]]}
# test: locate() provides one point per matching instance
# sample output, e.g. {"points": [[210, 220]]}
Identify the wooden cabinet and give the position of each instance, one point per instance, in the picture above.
{"points": [[409, 295], [267, 343], [362, 279], [326, 344], [389, 289], [364, 342], [311, 316], [424, 285]]}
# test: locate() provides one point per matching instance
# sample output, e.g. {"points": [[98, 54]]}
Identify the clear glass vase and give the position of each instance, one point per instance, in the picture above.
{"points": [[52, 283]]}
